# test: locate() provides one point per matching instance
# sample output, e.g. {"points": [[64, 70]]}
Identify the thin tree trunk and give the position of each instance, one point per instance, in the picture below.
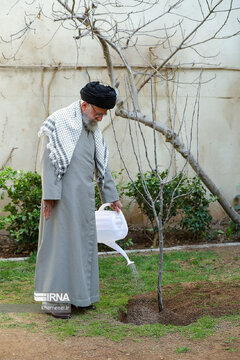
{"points": [[160, 266], [174, 139]]}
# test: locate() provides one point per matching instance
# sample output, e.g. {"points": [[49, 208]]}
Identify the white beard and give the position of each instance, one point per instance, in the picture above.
{"points": [[90, 124]]}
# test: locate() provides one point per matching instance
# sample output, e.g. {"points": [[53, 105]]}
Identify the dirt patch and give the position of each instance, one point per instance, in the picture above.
{"points": [[21, 344], [8, 247], [192, 301], [141, 238]]}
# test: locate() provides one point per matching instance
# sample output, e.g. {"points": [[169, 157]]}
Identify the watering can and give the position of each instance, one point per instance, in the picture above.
{"points": [[111, 226]]}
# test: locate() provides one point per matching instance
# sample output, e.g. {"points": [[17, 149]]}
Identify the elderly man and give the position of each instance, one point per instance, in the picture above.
{"points": [[72, 150]]}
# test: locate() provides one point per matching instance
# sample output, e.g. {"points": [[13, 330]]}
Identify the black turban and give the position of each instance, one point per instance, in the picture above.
{"points": [[99, 95]]}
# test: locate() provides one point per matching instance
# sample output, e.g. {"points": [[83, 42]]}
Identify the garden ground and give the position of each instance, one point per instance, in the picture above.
{"points": [[21, 344], [32, 336]]}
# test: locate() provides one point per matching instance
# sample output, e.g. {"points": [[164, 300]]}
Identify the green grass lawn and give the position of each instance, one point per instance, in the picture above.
{"points": [[117, 285]]}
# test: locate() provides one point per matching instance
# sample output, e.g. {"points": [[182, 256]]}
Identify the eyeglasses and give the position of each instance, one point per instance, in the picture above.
{"points": [[97, 114]]}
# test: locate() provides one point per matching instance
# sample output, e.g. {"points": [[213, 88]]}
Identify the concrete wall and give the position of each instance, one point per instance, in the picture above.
{"points": [[46, 75]]}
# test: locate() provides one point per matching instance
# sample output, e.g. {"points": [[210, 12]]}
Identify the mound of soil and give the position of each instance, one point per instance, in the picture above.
{"points": [[191, 302]]}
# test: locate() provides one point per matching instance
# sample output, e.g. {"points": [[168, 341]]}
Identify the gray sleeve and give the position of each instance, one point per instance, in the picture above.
{"points": [[109, 192], [51, 187]]}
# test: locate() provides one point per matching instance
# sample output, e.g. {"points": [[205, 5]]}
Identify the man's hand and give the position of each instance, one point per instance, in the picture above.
{"points": [[116, 206], [47, 208]]}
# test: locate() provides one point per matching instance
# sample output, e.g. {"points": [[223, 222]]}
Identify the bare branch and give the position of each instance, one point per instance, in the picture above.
{"points": [[180, 147], [8, 158], [180, 46], [13, 6], [21, 34], [201, 9]]}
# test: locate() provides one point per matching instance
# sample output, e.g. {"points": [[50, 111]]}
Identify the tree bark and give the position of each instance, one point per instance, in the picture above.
{"points": [[174, 139], [160, 264]]}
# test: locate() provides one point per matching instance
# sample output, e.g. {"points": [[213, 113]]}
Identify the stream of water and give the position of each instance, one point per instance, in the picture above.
{"points": [[134, 270], [136, 277]]}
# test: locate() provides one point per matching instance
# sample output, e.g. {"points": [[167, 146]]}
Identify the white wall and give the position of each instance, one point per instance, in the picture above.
{"points": [[31, 87]]}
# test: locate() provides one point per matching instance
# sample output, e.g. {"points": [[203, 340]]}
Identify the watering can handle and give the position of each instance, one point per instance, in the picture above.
{"points": [[102, 207]]}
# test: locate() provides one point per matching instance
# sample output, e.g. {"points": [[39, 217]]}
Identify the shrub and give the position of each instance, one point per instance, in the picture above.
{"points": [[233, 230], [152, 183], [195, 206], [119, 186], [23, 211], [191, 202], [24, 190]]}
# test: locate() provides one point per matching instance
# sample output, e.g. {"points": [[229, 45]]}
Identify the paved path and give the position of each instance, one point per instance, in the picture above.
{"points": [[174, 248]]}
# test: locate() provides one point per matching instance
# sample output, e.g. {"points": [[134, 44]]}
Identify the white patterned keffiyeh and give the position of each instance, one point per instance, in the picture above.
{"points": [[63, 129]]}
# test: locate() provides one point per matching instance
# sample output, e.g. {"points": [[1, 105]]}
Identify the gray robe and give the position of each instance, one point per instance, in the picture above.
{"points": [[67, 259]]}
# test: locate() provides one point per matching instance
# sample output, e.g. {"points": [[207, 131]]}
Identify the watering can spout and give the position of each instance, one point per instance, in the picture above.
{"points": [[130, 262], [111, 226], [118, 248]]}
